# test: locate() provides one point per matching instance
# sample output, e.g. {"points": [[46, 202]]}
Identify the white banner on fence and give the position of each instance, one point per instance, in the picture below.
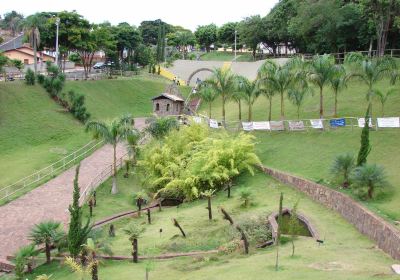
{"points": [[317, 124], [261, 126], [277, 125], [296, 125], [247, 126], [361, 122], [197, 119], [213, 123], [389, 122]]}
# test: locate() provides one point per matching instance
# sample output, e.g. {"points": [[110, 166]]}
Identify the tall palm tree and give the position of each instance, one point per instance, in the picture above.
{"points": [[338, 82], [237, 96], [297, 95], [223, 82], [383, 97], [250, 92], [320, 70], [279, 79], [132, 140], [45, 233], [31, 28], [134, 231], [207, 95], [268, 92], [113, 133], [370, 70]]}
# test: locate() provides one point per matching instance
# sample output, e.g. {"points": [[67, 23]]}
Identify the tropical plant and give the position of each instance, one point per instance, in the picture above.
{"points": [[223, 82], [342, 167], [132, 144], [93, 247], [113, 133], [237, 97], [43, 277], [133, 230], [208, 194], [383, 97], [250, 92], [30, 77], [279, 80], [25, 257], [268, 91], [159, 127], [32, 24], [367, 178], [207, 95], [296, 96], [81, 270], [365, 147], [45, 233], [245, 195], [338, 82]]}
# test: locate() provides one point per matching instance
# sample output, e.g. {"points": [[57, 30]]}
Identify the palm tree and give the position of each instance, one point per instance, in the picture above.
{"points": [[45, 233], [370, 70], [31, 28], [383, 97], [237, 96], [251, 91], [279, 80], [338, 82], [297, 97], [223, 82], [25, 256], [370, 176], [134, 231], [132, 140], [207, 95], [320, 71], [342, 167], [113, 133], [268, 92]]}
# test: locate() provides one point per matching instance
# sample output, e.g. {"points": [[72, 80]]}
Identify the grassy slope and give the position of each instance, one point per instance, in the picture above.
{"points": [[34, 131], [226, 56], [353, 254], [310, 154]]}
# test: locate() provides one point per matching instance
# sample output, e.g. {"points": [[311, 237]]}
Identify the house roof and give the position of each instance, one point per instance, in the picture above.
{"points": [[168, 96], [14, 43], [23, 50]]}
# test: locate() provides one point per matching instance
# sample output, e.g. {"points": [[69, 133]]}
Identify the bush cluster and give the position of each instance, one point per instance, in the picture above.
{"points": [[30, 77]]}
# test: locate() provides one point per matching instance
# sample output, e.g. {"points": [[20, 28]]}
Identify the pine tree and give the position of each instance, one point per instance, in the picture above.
{"points": [[365, 147], [76, 233], [278, 234], [162, 43], [159, 44]]}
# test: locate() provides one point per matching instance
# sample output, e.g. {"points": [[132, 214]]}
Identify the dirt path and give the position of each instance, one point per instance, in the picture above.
{"points": [[49, 201]]}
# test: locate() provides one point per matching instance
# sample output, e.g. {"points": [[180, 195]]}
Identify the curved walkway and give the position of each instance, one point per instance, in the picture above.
{"points": [[50, 201]]}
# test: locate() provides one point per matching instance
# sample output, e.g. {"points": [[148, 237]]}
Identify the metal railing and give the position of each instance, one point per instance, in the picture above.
{"points": [[48, 172]]}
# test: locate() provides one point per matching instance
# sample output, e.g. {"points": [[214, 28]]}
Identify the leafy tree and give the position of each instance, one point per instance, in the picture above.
{"points": [[30, 77], [206, 35], [342, 167], [365, 147], [3, 61], [251, 91], [182, 40], [17, 64], [208, 194], [251, 32], [25, 257], [338, 82], [77, 233], [278, 234], [383, 97], [133, 145], [143, 55], [159, 127], [226, 33], [12, 21], [207, 95], [31, 27], [149, 30], [134, 231], [113, 133], [127, 38], [45, 233], [223, 83], [369, 177]]}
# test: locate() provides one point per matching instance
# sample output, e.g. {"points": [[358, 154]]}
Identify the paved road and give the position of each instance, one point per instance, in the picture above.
{"points": [[51, 200]]}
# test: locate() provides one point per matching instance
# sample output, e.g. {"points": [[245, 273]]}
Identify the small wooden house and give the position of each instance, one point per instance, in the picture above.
{"points": [[169, 103]]}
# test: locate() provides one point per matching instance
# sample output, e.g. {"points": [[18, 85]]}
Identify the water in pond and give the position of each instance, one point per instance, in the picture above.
{"points": [[302, 228]]}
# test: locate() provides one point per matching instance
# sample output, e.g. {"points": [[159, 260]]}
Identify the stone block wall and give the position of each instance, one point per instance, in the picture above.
{"points": [[384, 234]]}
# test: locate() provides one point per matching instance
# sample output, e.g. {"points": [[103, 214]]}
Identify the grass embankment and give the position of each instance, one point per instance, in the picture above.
{"points": [[345, 254], [226, 56], [310, 154]]}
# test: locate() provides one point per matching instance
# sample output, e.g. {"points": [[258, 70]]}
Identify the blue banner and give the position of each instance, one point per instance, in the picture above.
{"points": [[337, 122]]}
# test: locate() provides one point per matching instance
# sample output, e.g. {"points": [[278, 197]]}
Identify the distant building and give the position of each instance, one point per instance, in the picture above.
{"points": [[169, 103]]}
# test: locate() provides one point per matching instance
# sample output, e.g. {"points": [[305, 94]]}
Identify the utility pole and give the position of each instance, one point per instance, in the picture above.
{"points": [[235, 43], [57, 24]]}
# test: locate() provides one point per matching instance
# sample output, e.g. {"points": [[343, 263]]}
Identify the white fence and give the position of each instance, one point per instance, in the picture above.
{"points": [[47, 173]]}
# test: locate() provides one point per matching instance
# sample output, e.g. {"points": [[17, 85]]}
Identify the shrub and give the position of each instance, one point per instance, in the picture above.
{"points": [[257, 228], [40, 78], [159, 127], [245, 196], [30, 77], [76, 105], [367, 178], [342, 167]]}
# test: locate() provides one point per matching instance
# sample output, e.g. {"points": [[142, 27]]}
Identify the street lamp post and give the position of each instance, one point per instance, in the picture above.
{"points": [[235, 43], [57, 24]]}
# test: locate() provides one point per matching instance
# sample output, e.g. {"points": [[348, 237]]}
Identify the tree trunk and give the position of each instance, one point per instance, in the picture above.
{"points": [[209, 208], [321, 104], [34, 53], [270, 109], [135, 250], [370, 191], [335, 109], [30, 268], [298, 113], [149, 216], [114, 189], [292, 246], [47, 249], [244, 239], [95, 273], [282, 107], [250, 112], [240, 110], [229, 191], [147, 274], [209, 110], [223, 108]]}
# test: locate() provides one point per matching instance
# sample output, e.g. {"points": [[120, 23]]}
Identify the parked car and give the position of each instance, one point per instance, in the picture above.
{"points": [[99, 65]]}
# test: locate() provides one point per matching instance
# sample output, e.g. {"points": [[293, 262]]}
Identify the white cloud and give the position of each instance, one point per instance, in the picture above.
{"points": [[189, 14]]}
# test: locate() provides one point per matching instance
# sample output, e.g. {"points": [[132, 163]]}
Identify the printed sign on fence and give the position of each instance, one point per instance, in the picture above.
{"points": [[213, 123], [247, 126], [318, 124], [389, 122], [337, 122], [361, 122], [296, 125], [261, 126], [276, 125], [197, 120]]}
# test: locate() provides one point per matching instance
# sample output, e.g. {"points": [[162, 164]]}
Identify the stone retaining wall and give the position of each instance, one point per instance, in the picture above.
{"points": [[384, 234]]}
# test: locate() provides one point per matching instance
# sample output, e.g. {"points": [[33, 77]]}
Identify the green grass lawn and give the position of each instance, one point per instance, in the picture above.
{"points": [[226, 56], [346, 254]]}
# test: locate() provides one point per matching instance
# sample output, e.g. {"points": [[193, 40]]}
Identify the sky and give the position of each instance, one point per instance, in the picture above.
{"points": [[188, 14]]}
